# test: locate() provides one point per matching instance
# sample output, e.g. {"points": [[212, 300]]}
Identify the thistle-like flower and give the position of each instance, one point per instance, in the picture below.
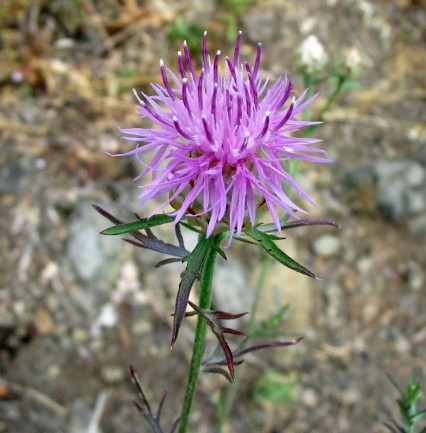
{"points": [[221, 140]]}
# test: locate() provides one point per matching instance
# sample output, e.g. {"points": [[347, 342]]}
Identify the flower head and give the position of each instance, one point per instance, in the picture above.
{"points": [[220, 141], [311, 56]]}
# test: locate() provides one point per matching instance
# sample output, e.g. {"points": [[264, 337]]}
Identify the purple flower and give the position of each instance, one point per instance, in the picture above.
{"points": [[220, 142]]}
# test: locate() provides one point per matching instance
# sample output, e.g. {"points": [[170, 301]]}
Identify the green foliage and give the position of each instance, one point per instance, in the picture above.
{"points": [[12, 11], [192, 33], [194, 268], [231, 11], [140, 224], [267, 243], [236, 7], [407, 403], [276, 388], [70, 14], [271, 325]]}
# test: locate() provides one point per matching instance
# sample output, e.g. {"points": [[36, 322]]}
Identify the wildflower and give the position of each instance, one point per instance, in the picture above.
{"points": [[311, 56], [221, 140], [353, 63]]}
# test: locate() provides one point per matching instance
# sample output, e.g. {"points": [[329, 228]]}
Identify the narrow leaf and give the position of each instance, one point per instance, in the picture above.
{"points": [[192, 272], [160, 406], [395, 384], [233, 332], [148, 240], [167, 262], [219, 370], [140, 224], [140, 409], [220, 251], [268, 245], [268, 346], [419, 415], [267, 228], [106, 214], [179, 236], [175, 425], [212, 318], [135, 379], [223, 315], [393, 429]]}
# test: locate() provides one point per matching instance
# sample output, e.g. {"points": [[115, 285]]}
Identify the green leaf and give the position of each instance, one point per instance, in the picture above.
{"points": [[419, 415], [267, 243], [192, 272], [275, 388], [269, 327], [144, 223]]}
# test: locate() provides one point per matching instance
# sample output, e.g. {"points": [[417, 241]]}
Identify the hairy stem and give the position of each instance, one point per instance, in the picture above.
{"points": [[206, 280]]}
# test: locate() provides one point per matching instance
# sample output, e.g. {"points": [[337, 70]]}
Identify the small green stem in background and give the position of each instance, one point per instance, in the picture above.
{"points": [[307, 83], [407, 403], [206, 281], [339, 87], [340, 82], [231, 391]]}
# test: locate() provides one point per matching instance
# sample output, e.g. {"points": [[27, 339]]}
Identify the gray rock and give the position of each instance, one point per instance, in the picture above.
{"points": [[232, 291], [19, 175], [360, 187], [362, 174], [96, 259], [395, 187], [400, 189]]}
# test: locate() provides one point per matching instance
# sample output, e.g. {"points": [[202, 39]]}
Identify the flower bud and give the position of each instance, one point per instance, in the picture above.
{"points": [[311, 56]]}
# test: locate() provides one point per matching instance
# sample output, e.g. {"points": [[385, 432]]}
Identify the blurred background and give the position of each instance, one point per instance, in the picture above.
{"points": [[77, 308]]}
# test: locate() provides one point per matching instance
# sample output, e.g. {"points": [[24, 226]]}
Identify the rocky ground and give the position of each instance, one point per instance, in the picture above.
{"points": [[77, 308]]}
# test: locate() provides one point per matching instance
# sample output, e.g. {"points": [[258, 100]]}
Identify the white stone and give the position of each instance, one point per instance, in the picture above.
{"points": [[327, 245]]}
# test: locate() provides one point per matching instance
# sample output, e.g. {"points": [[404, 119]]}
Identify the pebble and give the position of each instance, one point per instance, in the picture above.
{"points": [[80, 335], [309, 397], [415, 278], [327, 245], [44, 322], [112, 374], [402, 345], [107, 319], [141, 327], [364, 265], [351, 396]]}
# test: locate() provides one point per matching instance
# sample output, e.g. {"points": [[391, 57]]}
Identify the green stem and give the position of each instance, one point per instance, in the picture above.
{"points": [[341, 81], [333, 96], [307, 84], [231, 391], [206, 280]]}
